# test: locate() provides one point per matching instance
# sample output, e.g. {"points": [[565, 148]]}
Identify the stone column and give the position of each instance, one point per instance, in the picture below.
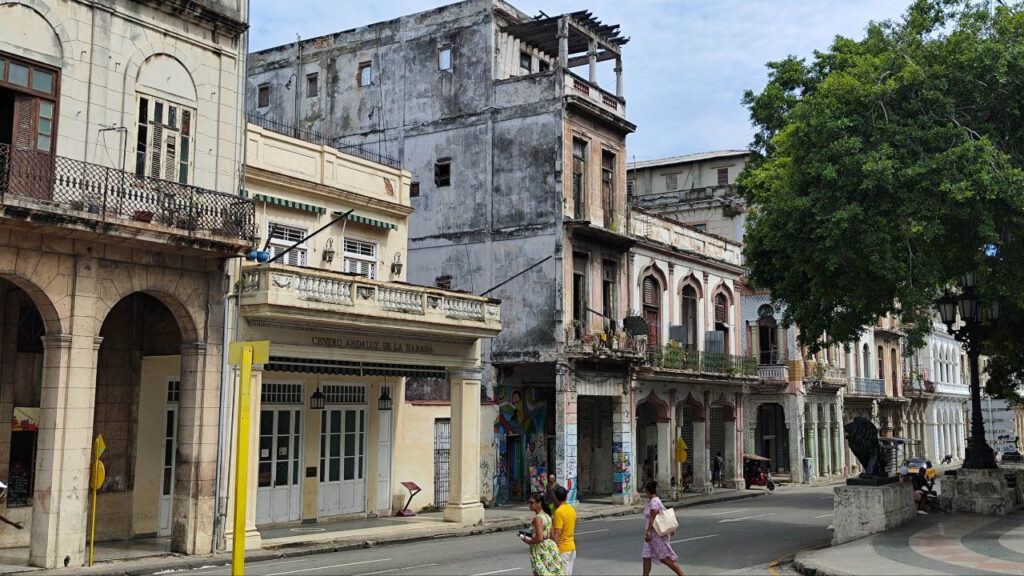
{"points": [[932, 441], [563, 42], [699, 450], [253, 540], [664, 472], [464, 481], [195, 468], [811, 440], [729, 467], [566, 432], [838, 466], [622, 450], [958, 436], [592, 60], [64, 451], [618, 78]]}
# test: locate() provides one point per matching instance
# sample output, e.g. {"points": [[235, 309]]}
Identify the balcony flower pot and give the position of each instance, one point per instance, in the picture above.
{"points": [[142, 216]]}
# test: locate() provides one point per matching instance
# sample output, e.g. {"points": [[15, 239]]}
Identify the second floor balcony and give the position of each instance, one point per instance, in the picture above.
{"points": [[295, 294], [871, 387], [701, 362], [604, 345], [59, 191], [825, 376]]}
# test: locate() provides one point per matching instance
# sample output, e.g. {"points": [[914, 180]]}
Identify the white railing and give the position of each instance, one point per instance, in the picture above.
{"points": [[463, 309], [773, 373], [952, 389], [400, 300], [868, 387], [289, 286], [576, 86], [324, 289]]}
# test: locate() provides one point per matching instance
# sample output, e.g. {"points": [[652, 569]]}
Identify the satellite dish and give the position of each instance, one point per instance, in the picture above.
{"points": [[635, 325]]}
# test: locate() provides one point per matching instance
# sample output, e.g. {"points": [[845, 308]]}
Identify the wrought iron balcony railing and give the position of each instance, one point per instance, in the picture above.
{"points": [[867, 387], [598, 344], [679, 358], [59, 184]]}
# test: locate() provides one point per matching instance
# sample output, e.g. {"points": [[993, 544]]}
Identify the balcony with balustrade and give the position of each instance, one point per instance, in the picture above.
{"points": [[42, 189], [866, 387], [821, 376], [307, 296]]}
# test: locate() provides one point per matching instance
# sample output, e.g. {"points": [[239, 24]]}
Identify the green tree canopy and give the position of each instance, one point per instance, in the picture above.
{"points": [[886, 168]]}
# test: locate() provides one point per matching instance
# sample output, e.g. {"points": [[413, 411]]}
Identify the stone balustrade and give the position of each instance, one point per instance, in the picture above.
{"points": [[278, 284]]}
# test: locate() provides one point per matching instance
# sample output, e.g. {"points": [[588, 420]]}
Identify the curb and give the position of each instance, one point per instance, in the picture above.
{"points": [[151, 564], [810, 569]]}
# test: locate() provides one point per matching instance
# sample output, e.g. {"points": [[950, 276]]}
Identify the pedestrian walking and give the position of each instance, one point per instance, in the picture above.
{"points": [[549, 492], [716, 470], [544, 557], [563, 526], [657, 546], [3, 498]]}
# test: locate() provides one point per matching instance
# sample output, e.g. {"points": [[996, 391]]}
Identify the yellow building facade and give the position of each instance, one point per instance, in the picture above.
{"points": [[345, 329]]}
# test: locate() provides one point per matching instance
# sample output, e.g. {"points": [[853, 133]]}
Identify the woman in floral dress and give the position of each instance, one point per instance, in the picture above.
{"points": [[655, 545], [544, 557]]}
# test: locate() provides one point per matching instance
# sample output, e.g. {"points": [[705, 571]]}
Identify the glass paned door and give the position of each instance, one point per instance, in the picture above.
{"points": [[342, 461], [279, 487], [170, 448]]}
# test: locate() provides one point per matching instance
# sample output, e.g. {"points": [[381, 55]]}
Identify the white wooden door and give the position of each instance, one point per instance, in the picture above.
{"points": [[279, 484], [170, 448], [384, 461], [342, 461]]}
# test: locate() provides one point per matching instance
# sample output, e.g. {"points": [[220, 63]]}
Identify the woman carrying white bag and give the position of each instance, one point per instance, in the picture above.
{"points": [[661, 525]]}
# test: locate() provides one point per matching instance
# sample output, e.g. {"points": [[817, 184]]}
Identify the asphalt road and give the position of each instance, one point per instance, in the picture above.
{"points": [[742, 537]]}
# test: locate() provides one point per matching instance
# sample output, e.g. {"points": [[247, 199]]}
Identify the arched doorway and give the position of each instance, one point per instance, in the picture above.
{"points": [[772, 436], [652, 309], [138, 391], [652, 442], [22, 361], [767, 336]]}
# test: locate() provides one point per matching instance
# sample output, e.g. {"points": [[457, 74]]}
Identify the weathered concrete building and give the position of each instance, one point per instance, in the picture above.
{"points": [[518, 168], [119, 156], [697, 377], [346, 329], [792, 414]]}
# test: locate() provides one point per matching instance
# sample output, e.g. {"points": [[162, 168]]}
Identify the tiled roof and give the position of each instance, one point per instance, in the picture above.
{"points": [[699, 156]]}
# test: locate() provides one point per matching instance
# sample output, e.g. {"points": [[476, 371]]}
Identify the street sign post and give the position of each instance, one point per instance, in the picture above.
{"points": [[243, 355]]}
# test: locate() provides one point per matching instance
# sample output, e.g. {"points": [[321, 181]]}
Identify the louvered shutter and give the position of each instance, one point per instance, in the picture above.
{"points": [[24, 114], [721, 309]]}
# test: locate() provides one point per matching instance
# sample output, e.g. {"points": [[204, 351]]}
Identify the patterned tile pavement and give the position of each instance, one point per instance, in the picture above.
{"points": [[932, 544]]}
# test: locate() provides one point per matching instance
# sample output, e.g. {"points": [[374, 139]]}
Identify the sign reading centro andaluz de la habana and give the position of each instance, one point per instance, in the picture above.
{"points": [[373, 345]]}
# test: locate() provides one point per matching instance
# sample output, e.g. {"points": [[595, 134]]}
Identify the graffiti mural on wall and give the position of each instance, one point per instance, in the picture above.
{"points": [[620, 464], [522, 413]]}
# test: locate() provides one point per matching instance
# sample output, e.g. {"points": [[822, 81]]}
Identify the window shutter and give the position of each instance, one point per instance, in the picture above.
{"points": [[24, 114], [721, 309], [650, 292]]}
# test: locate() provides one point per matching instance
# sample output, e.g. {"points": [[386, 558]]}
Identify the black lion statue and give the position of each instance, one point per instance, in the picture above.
{"points": [[862, 436]]}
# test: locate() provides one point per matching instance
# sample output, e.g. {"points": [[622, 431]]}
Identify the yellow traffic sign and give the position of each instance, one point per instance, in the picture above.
{"points": [[260, 351], [99, 446], [99, 474]]}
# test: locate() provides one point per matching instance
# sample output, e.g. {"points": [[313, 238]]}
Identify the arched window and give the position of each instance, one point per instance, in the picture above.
{"points": [[767, 336], [866, 360], [689, 317], [652, 309], [894, 368], [722, 321], [881, 364]]}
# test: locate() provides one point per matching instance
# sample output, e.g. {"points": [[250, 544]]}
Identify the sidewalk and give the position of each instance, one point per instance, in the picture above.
{"points": [[302, 540], [932, 544]]}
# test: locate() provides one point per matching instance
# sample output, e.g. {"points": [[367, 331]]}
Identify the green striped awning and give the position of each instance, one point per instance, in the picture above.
{"points": [[369, 221], [289, 203]]}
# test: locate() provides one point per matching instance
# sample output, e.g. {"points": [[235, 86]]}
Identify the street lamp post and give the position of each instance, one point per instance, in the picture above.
{"points": [[972, 334]]}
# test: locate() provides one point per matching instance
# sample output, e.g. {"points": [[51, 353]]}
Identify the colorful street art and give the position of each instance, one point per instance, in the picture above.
{"points": [[522, 413], [620, 466]]}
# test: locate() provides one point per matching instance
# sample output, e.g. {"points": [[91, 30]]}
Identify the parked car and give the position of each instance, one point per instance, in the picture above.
{"points": [[914, 464]]}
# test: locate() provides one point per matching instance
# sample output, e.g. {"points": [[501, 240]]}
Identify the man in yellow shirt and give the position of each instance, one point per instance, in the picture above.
{"points": [[563, 529]]}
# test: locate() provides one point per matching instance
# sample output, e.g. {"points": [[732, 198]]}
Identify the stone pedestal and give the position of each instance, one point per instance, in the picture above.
{"points": [[981, 491], [864, 510]]}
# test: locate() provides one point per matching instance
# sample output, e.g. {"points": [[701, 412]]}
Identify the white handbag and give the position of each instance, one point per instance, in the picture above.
{"points": [[665, 522]]}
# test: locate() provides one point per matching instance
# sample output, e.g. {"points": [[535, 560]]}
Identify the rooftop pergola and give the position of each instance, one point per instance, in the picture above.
{"points": [[575, 39]]}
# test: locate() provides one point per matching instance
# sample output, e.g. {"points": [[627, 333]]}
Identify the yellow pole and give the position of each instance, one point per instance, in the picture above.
{"points": [[92, 524], [242, 462]]}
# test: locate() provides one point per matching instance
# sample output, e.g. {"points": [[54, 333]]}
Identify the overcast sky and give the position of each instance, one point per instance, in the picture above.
{"points": [[685, 67]]}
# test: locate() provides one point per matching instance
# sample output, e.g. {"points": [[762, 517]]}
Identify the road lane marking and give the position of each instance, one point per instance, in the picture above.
{"points": [[332, 566], [591, 532], [730, 511], [694, 538], [745, 517], [824, 515], [618, 518], [495, 572], [397, 569]]}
